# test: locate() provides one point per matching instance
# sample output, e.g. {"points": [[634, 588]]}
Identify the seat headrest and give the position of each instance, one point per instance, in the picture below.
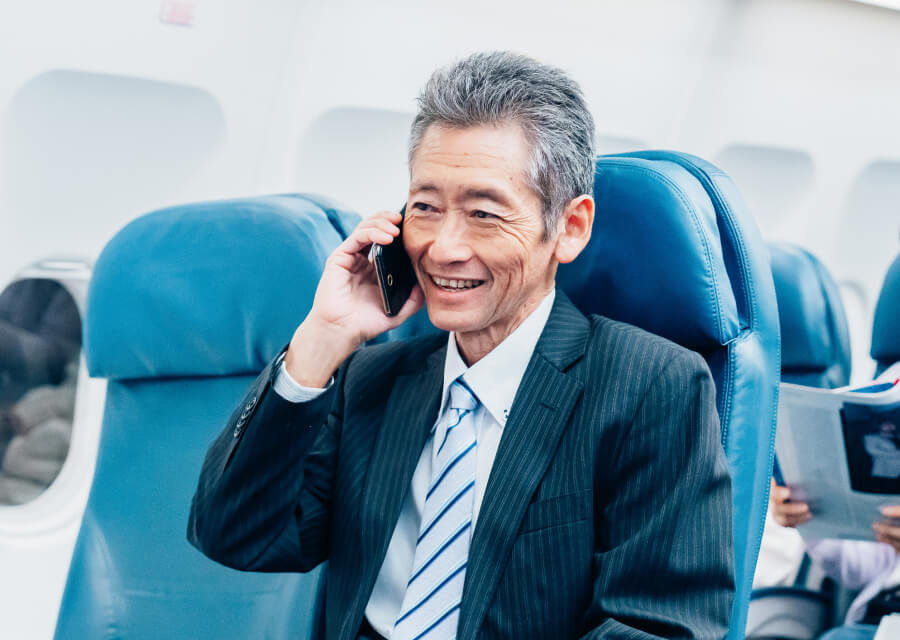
{"points": [[208, 289], [815, 340], [886, 324], [655, 256]]}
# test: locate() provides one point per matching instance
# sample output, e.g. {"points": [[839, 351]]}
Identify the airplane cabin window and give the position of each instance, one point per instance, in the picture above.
{"points": [[108, 144], [776, 182], [40, 347], [867, 238]]}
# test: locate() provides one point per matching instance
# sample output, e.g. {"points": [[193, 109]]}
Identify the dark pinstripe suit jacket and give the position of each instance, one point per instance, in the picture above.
{"points": [[607, 513]]}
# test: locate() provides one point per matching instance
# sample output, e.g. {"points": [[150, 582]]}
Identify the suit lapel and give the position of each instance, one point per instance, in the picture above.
{"points": [[538, 418], [410, 414]]}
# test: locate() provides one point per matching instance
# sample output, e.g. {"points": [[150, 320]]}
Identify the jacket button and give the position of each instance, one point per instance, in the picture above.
{"points": [[248, 409]]}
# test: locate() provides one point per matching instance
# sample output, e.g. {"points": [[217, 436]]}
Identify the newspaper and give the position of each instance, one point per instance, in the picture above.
{"points": [[888, 628], [839, 451]]}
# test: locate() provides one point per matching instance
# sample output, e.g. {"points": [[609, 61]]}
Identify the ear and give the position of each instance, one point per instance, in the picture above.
{"points": [[575, 228]]}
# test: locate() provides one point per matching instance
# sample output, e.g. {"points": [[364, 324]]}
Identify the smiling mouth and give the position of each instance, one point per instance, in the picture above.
{"points": [[456, 285]]}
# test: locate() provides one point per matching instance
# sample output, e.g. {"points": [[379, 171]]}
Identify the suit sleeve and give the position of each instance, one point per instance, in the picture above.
{"points": [[262, 501], [664, 563]]}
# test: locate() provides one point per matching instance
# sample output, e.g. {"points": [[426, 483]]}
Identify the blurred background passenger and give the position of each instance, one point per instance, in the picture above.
{"points": [[40, 342], [873, 568]]}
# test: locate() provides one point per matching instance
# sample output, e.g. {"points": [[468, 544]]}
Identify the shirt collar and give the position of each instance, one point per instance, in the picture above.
{"points": [[496, 377]]}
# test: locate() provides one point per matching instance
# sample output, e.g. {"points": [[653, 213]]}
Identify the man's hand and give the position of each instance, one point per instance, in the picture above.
{"points": [[889, 531], [786, 512], [347, 309]]}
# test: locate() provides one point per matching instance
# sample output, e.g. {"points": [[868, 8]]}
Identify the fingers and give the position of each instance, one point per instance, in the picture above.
{"points": [[887, 530], [780, 495], [386, 221], [788, 512], [380, 228], [791, 514], [888, 534], [892, 511]]}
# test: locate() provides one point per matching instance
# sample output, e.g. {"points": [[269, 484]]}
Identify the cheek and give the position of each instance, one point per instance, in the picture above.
{"points": [[509, 258], [414, 241]]}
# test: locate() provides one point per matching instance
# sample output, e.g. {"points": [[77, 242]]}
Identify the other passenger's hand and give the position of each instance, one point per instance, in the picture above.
{"points": [[785, 511], [888, 531], [347, 309]]}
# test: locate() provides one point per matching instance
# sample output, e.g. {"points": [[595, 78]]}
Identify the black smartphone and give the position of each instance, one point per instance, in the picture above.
{"points": [[394, 271]]}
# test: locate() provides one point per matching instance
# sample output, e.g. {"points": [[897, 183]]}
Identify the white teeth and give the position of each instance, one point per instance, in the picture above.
{"points": [[456, 284]]}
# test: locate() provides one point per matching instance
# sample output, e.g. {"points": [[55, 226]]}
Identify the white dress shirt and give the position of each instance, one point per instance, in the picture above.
{"points": [[494, 379]]}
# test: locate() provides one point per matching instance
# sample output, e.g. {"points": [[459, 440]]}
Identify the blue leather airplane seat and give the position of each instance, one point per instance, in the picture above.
{"points": [[815, 351], [185, 307], [815, 339], [886, 324], [675, 251]]}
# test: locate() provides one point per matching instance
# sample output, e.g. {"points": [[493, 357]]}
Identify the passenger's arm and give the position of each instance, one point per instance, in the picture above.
{"points": [[853, 563], [664, 564], [258, 506], [264, 494]]}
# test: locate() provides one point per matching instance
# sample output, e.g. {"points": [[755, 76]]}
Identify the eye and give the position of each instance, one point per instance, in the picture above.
{"points": [[422, 206], [483, 215]]}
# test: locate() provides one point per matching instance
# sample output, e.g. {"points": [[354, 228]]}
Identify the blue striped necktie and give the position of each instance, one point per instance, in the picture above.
{"points": [[430, 609]]}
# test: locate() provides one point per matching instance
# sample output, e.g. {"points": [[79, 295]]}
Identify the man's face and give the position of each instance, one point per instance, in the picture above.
{"points": [[474, 230]]}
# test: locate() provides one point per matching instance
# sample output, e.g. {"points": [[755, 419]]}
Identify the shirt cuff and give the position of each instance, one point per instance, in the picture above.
{"points": [[293, 391]]}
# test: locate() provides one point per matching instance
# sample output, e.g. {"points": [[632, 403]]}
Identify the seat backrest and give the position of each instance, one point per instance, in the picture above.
{"points": [[185, 307], [886, 324], [815, 340], [815, 352], [675, 251]]}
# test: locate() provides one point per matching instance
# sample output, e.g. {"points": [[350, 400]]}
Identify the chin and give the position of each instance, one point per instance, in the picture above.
{"points": [[456, 321]]}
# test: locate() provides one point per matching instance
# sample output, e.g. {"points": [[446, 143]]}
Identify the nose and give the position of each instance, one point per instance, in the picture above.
{"points": [[450, 244]]}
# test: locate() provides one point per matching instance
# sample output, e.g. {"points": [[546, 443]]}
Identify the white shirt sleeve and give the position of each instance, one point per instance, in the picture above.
{"points": [[890, 374], [293, 391]]}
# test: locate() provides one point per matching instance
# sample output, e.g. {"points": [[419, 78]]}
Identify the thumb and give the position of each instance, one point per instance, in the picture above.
{"points": [[782, 494]]}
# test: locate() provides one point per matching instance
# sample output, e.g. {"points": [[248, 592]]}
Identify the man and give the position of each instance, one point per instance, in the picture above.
{"points": [[533, 474]]}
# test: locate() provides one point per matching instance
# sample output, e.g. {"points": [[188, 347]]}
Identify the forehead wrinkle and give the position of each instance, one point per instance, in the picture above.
{"points": [[480, 193], [428, 187], [456, 164]]}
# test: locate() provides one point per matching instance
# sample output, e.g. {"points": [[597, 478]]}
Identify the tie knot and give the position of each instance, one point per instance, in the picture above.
{"points": [[461, 396]]}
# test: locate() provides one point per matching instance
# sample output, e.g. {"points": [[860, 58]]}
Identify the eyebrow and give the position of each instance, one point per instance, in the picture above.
{"points": [[475, 193]]}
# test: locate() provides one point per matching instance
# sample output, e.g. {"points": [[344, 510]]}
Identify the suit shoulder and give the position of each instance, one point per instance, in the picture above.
{"points": [[388, 360], [623, 342]]}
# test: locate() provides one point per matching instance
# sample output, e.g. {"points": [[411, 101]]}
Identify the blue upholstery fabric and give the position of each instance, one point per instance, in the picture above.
{"points": [[185, 306], [851, 632], [675, 251], [815, 340], [177, 292], [886, 325], [815, 351]]}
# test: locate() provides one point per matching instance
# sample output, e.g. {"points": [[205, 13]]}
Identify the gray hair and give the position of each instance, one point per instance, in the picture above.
{"points": [[498, 87]]}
